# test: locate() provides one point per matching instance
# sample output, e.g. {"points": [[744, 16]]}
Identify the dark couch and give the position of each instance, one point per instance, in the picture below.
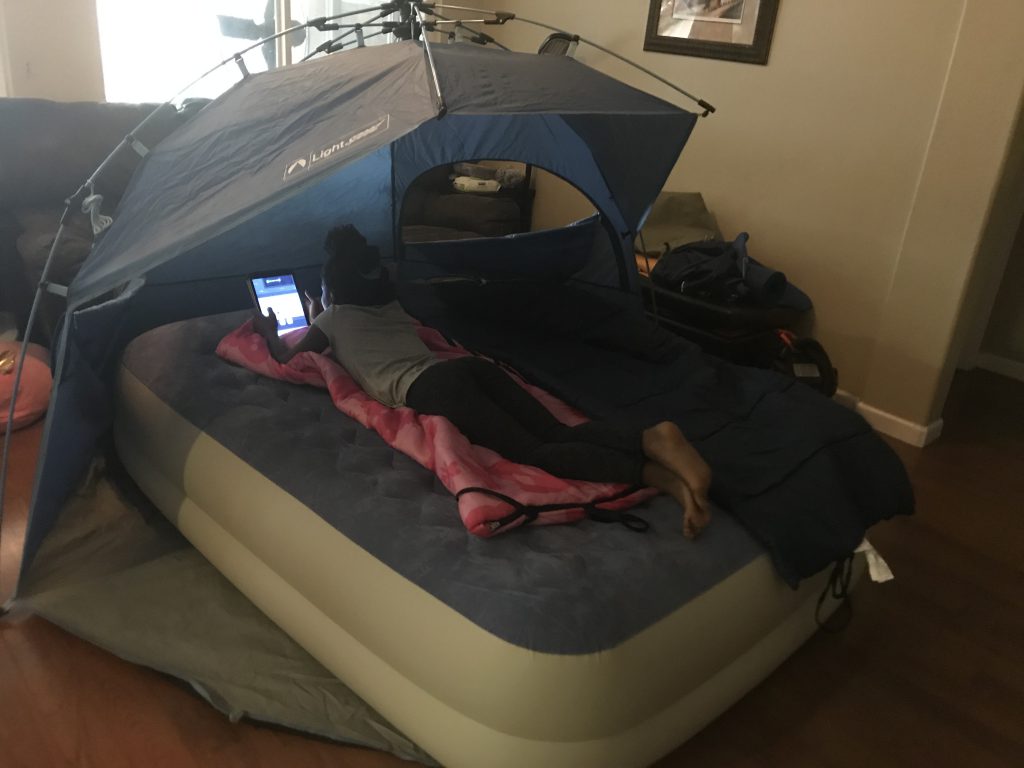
{"points": [[47, 150]]}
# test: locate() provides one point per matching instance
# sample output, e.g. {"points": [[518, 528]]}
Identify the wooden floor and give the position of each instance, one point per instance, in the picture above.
{"points": [[929, 673]]}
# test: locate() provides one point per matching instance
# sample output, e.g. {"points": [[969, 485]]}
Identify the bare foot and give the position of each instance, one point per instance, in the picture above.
{"points": [[695, 516], [665, 444]]}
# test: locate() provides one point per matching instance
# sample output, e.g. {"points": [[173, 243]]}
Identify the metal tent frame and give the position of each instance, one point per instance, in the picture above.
{"points": [[405, 19]]}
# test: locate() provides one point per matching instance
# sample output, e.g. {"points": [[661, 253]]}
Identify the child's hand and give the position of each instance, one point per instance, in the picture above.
{"points": [[313, 306], [265, 325]]}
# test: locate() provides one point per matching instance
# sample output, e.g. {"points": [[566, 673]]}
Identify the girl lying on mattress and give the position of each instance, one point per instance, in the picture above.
{"points": [[359, 317]]}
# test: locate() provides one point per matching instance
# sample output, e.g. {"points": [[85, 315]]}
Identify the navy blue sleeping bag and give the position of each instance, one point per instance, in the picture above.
{"points": [[806, 476]]}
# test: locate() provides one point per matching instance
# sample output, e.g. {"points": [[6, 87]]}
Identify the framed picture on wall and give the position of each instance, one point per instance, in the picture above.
{"points": [[737, 30]]}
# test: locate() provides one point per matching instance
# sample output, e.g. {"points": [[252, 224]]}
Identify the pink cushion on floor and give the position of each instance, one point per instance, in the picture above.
{"points": [[36, 381]]}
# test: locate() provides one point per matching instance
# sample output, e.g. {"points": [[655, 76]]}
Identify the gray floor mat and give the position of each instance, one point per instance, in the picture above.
{"points": [[114, 572]]}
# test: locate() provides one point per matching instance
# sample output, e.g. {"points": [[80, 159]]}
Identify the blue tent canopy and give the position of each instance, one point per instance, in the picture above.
{"points": [[255, 179]]}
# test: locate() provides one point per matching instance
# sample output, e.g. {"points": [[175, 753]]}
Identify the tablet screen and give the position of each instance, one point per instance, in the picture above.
{"points": [[278, 292]]}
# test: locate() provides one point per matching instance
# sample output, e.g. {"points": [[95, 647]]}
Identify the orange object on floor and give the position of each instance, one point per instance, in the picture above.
{"points": [[34, 390]]}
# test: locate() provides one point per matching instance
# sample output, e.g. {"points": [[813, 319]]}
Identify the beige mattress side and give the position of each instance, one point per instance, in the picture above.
{"points": [[512, 690]]}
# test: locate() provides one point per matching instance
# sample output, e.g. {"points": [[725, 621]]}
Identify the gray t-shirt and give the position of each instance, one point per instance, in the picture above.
{"points": [[378, 346]]}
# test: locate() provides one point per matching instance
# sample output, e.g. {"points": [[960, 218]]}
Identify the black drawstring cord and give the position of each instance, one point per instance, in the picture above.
{"points": [[591, 508], [627, 519], [838, 586]]}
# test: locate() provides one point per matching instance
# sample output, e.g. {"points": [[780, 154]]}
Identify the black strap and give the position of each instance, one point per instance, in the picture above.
{"points": [[629, 520], [591, 508], [838, 586]]}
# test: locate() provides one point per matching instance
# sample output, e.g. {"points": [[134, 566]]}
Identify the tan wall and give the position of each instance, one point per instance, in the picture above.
{"points": [[994, 260], [963, 218], [864, 159], [1005, 334], [557, 202], [53, 49], [822, 155], [5, 86], [994, 255]]}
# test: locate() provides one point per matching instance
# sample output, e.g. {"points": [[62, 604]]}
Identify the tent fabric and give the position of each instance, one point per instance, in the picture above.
{"points": [[552, 254], [231, 161], [254, 180], [117, 573], [277, 132]]}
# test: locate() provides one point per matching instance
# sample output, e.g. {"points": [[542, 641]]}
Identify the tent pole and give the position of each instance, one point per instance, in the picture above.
{"points": [[322, 23], [328, 47], [283, 12], [131, 141], [428, 46], [29, 327], [44, 287], [708, 108], [481, 38], [650, 280], [502, 16]]}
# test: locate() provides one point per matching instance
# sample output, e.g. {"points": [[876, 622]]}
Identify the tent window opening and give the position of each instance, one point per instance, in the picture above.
{"points": [[478, 198], [456, 222], [151, 49]]}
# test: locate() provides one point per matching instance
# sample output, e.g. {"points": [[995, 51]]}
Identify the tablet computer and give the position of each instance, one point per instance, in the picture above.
{"points": [[278, 291]]}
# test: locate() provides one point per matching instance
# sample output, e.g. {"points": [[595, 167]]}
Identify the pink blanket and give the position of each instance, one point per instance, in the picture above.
{"points": [[436, 444]]}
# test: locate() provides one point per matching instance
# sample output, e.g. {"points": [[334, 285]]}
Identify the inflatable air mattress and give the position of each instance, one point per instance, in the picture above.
{"points": [[575, 645]]}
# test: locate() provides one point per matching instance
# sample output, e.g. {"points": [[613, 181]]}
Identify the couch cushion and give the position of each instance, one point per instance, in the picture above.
{"points": [[39, 227], [15, 291], [48, 149]]}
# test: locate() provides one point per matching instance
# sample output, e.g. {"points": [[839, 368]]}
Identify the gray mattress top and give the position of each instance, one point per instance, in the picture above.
{"points": [[570, 589]]}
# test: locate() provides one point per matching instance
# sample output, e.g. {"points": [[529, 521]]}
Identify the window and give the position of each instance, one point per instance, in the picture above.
{"points": [[304, 10], [151, 49]]}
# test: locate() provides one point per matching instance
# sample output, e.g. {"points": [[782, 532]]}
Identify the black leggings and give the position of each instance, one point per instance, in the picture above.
{"points": [[492, 410]]}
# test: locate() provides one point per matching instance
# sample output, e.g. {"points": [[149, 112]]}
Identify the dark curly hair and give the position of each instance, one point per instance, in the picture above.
{"points": [[352, 271]]}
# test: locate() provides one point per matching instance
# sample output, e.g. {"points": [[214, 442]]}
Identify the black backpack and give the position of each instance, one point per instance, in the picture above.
{"points": [[806, 361], [724, 273]]}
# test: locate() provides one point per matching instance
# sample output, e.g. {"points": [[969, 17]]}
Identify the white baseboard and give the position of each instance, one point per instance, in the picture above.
{"points": [[890, 424], [1002, 365], [903, 430], [846, 399]]}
